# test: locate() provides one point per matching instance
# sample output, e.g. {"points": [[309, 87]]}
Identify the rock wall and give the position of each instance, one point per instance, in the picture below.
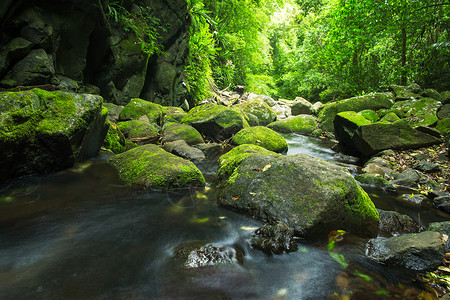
{"points": [[72, 45]]}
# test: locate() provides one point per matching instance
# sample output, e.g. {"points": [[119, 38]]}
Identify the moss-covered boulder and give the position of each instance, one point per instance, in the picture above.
{"points": [[301, 106], [390, 117], [311, 196], [182, 149], [370, 139], [174, 117], [443, 112], [302, 124], [252, 119], [174, 131], [231, 160], [42, 131], [370, 115], [345, 125], [151, 167], [372, 101], [419, 112], [403, 92], [137, 108], [114, 140], [261, 136], [216, 121], [443, 126], [260, 109], [138, 129]]}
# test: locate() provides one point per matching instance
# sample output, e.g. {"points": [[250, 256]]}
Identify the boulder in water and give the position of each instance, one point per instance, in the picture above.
{"points": [[151, 167], [42, 131], [261, 136], [301, 124], [182, 149], [309, 195]]}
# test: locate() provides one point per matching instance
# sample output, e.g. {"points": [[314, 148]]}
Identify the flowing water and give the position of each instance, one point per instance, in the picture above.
{"points": [[81, 234]]}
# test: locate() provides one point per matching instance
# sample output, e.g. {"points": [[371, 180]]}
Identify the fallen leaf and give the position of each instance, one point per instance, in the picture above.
{"points": [[235, 198], [267, 167]]}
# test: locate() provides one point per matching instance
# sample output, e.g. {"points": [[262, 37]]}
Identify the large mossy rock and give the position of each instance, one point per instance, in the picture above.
{"points": [[415, 251], [302, 124], [138, 129], [404, 92], [301, 106], [115, 140], [311, 196], [151, 167], [42, 131], [138, 108], [174, 131], [361, 137], [419, 112], [260, 109], [216, 121], [373, 102], [261, 136]]}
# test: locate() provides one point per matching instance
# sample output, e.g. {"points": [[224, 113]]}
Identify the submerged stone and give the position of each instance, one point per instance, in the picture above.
{"points": [[261, 136], [393, 223], [151, 167]]}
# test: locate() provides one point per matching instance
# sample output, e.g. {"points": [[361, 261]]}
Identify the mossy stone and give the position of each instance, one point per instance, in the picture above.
{"points": [[419, 112], [370, 115], [231, 160], [261, 136], [443, 126], [302, 124], [138, 108], [114, 140], [375, 101], [174, 117], [174, 131], [216, 121], [311, 196], [138, 129], [390, 118], [375, 180], [260, 109], [151, 167]]}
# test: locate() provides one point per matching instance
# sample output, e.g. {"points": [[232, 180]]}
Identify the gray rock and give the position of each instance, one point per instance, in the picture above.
{"points": [[443, 228], [301, 106], [182, 149], [408, 177], [394, 223], [376, 181], [418, 199], [403, 93], [113, 111], [379, 166], [311, 196], [274, 239], [427, 167], [442, 203], [416, 251], [444, 112]]}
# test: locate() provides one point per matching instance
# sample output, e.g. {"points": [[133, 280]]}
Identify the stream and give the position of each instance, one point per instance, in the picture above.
{"points": [[82, 234]]}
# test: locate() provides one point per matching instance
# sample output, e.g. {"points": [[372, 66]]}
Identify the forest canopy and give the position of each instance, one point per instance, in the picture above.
{"points": [[317, 49]]}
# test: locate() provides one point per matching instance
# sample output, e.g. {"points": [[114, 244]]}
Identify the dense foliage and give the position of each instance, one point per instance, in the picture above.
{"points": [[318, 49]]}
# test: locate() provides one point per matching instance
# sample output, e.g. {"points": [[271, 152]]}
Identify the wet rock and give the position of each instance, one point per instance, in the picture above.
{"points": [[173, 131], [379, 166], [301, 124], [274, 239], [408, 177], [418, 199], [416, 251], [48, 131], [113, 111], [311, 196], [182, 149], [282, 110], [216, 121], [375, 101], [427, 167], [151, 167], [393, 223], [211, 149], [442, 203], [261, 136], [376, 181]]}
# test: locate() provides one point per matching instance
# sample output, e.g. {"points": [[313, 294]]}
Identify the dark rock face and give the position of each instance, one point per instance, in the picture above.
{"points": [[75, 46], [417, 252], [274, 239], [44, 131], [394, 223]]}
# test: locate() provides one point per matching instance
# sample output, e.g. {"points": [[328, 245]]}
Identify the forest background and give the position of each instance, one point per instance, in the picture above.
{"points": [[322, 50]]}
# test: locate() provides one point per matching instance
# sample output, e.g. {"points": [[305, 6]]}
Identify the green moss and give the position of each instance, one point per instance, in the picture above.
{"points": [[137, 108], [114, 140], [137, 128], [261, 136], [355, 118], [390, 118], [444, 126], [260, 109], [151, 167], [175, 131], [370, 115], [302, 124]]}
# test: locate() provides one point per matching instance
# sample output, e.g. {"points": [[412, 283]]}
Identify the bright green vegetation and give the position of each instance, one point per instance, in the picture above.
{"points": [[321, 50], [138, 108], [114, 140], [174, 131], [261, 136], [137, 129], [302, 124], [151, 167]]}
